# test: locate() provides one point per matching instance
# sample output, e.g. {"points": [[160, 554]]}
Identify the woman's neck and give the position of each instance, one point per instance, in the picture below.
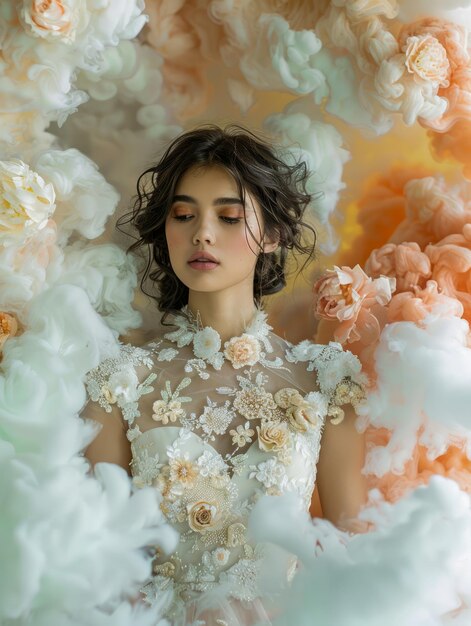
{"points": [[227, 315]]}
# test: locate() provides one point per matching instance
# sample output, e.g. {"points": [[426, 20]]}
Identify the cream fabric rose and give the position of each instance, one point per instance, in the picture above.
{"points": [[26, 200], [55, 19], [202, 516], [288, 396], [273, 437], [302, 417], [427, 59], [242, 351]]}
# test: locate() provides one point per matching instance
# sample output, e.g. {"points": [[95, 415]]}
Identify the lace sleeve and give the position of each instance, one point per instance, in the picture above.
{"points": [[338, 372], [115, 381]]}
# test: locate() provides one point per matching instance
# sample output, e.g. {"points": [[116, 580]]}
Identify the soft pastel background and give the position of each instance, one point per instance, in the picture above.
{"points": [[376, 96]]}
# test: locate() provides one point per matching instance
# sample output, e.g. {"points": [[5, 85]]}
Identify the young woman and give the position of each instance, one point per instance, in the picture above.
{"points": [[217, 410]]}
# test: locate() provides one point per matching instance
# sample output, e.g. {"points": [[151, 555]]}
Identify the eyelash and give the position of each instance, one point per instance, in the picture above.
{"points": [[228, 220]]}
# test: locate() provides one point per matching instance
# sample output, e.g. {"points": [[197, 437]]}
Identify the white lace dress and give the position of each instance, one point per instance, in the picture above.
{"points": [[213, 428]]}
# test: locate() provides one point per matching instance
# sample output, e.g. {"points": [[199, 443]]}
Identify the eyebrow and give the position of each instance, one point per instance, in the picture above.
{"points": [[217, 201]]}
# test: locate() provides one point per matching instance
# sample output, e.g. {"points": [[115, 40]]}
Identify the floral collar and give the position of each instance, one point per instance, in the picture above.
{"points": [[244, 350]]}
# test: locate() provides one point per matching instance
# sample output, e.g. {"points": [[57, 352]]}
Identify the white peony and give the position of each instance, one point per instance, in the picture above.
{"points": [[26, 200], [206, 343]]}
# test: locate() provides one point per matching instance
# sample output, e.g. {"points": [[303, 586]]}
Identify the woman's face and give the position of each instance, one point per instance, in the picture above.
{"points": [[209, 240]]}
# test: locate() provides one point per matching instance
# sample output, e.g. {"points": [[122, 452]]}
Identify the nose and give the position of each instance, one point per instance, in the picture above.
{"points": [[203, 233]]}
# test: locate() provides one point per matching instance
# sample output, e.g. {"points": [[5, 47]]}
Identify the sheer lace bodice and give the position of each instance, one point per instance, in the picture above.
{"points": [[214, 427]]}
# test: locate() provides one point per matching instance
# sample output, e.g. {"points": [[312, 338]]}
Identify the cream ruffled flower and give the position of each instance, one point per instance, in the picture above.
{"points": [[287, 397], [273, 436], [164, 411], [242, 351], [202, 516], [26, 200], [427, 59], [206, 343], [302, 417]]}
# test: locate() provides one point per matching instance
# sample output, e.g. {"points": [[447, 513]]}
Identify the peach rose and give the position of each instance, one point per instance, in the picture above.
{"points": [[415, 306], [427, 59], [273, 436], [55, 19], [8, 327], [242, 351], [348, 295], [202, 516], [438, 52], [302, 417], [406, 262]]}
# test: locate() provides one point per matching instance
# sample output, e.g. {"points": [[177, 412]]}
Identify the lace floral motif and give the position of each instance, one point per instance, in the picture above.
{"points": [[243, 397]]}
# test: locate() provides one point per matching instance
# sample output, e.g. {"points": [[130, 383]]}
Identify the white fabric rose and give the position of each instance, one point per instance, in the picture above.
{"points": [[123, 384], [206, 343]]}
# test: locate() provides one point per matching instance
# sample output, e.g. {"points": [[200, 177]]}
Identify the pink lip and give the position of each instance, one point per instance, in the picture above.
{"points": [[202, 256], [203, 265]]}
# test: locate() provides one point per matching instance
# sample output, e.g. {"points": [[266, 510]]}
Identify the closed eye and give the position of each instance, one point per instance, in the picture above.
{"points": [[230, 220], [182, 218]]}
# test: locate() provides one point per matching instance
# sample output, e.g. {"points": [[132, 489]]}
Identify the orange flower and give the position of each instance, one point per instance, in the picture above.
{"points": [[414, 306], [451, 267], [406, 262], [348, 295]]}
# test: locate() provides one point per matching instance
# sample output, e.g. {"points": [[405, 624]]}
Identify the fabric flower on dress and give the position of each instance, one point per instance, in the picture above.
{"points": [[206, 343], [254, 403], [220, 556], [183, 471], [123, 384], [216, 419], [288, 396], [202, 516], [242, 351], [26, 200], [302, 417], [273, 437], [270, 473], [165, 411], [242, 434]]}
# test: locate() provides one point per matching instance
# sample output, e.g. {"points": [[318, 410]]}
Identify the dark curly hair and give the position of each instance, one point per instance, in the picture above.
{"points": [[279, 188]]}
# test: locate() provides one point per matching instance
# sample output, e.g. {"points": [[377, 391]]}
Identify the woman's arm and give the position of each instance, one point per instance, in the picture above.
{"points": [[341, 485], [111, 444]]}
